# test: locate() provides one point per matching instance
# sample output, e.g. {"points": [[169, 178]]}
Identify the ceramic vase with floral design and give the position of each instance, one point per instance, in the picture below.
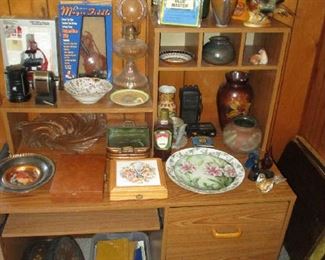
{"points": [[167, 99], [234, 98], [242, 134]]}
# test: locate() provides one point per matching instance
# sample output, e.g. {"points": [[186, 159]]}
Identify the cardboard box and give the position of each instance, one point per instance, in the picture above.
{"points": [[30, 42], [78, 178], [85, 36], [137, 179]]}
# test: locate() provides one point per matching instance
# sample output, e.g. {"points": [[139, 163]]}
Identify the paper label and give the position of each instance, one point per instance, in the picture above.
{"points": [[163, 139]]}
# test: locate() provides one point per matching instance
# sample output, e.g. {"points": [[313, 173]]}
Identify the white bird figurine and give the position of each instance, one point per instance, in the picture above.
{"points": [[259, 58]]}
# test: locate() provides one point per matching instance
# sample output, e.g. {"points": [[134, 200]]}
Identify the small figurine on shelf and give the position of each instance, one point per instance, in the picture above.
{"points": [[252, 158], [254, 172], [34, 58], [179, 133], [260, 58], [258, 11], [267, 162]]}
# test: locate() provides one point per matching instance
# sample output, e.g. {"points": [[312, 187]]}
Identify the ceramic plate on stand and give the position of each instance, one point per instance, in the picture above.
{"points": [[129, 97], [205, 170]]}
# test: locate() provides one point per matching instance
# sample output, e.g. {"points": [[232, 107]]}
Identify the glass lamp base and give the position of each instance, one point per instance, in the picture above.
{"points": [[130, 77]]}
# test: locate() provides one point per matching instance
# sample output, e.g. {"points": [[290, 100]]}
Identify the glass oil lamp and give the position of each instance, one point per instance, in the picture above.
{"points": [[129, 48]]}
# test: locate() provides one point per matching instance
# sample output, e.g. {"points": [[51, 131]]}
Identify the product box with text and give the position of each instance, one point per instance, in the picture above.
{"points": [[85, 36]]}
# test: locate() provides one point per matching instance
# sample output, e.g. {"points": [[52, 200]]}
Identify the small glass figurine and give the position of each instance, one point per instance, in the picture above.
{"points": [[254, 171], [252, 158], [267, 162]]}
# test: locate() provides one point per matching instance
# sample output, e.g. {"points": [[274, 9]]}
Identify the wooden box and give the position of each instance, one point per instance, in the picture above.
{"points": [[78, 178], [137, 179]]}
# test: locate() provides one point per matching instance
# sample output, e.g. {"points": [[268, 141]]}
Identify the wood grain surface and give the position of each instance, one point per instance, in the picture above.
{"points": [[297, 72], [54, 224], [256, 229]]}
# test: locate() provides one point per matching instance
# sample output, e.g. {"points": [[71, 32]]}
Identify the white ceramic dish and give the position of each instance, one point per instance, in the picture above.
{"points": [[88, 90]]}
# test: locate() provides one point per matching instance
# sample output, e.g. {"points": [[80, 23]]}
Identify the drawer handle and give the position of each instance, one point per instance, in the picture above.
{"points": [[217, 234]]}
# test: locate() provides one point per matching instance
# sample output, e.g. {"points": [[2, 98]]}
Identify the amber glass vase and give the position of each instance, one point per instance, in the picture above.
{"points": [[234, 98]]}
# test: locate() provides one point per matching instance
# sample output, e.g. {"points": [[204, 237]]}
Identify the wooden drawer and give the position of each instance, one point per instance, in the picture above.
{"points": [[245, 231]]}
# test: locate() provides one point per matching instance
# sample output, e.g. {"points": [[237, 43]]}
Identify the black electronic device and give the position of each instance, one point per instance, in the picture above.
{"points": [[199, 129], [45, 87], [18, 89], [190, 104]]}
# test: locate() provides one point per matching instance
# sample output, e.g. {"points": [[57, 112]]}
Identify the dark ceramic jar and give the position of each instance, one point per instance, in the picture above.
{"points": [[218, 51], [234, 98]]}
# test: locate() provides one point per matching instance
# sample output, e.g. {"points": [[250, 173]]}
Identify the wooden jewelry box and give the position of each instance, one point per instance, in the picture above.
{"points": [[137, 179]]}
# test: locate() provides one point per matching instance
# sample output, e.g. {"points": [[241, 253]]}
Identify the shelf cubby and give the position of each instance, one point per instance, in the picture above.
{"points": [[270, 42], [264, 79]]}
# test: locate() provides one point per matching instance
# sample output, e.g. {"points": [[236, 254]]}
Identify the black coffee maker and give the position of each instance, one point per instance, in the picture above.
{"points": [[18, 89]]}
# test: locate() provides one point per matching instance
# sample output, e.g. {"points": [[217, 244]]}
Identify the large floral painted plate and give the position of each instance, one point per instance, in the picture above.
{"points": [[205, 170]]}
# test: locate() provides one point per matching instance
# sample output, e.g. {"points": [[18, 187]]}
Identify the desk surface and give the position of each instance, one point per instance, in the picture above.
{"points": [[39, 201]]}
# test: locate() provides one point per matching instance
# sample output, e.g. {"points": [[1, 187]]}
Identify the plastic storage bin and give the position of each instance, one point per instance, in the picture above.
{"points": [[134, 236]]}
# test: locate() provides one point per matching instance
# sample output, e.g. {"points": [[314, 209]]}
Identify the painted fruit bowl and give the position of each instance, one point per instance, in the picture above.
{"points": [[88, 90], [205, 170]]}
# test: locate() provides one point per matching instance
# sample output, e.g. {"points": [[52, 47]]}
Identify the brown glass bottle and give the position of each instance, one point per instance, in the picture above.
{"points": [[163, 136]]}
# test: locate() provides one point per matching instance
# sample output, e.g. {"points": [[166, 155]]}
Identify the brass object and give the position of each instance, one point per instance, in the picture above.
{"points": [[128, 141]]}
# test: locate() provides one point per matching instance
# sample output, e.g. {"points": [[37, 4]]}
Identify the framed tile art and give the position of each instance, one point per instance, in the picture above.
{"points": [[137, 179]]}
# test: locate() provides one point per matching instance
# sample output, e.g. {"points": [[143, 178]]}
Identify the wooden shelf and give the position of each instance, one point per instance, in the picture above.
{"points": [[208, 67], [246, 41], [209, 25], [54, 224], [67, 104]]}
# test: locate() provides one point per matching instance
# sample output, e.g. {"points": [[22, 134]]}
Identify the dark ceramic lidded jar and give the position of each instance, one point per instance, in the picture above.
{"points": [[219, 50], [234, 98]]}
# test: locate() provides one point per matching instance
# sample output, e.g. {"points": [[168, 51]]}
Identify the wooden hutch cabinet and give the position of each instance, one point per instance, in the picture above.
{"points": [[242, 223]]}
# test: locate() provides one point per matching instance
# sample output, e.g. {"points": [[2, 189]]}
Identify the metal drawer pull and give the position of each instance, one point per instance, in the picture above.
{"points": [[217, 234]]}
